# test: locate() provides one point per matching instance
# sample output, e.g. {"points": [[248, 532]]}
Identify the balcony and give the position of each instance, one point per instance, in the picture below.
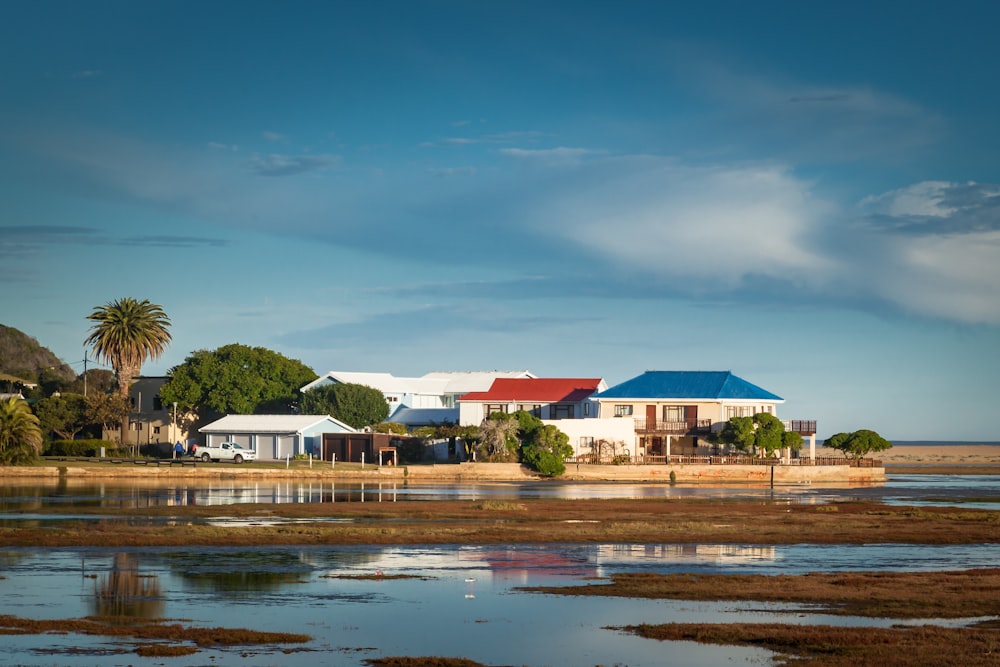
{"points": [[802, 427], [664, 427]]}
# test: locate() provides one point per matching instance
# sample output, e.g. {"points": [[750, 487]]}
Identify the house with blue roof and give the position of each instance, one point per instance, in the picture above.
{"points": [[675, 411]]}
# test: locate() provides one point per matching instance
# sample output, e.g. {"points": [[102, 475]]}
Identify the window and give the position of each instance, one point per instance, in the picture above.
{"points": [[586, 442], [157, 403], [156, 430], [739, 411], [534, 408], [673, 413], [561, 411], [490, 408], [623, 410], [586, 409]]}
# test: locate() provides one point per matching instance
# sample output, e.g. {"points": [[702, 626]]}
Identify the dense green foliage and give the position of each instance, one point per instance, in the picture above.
{"points": [[90, 447], [64, 415], [547, 451], [763, 434], [498, 438], [858, 444], [354, 404], [522, 436], [235, 379], [107, 408], [20, 436]]}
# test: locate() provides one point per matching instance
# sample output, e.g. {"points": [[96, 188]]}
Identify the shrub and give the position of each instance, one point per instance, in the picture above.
{"points": [[91, 447]]}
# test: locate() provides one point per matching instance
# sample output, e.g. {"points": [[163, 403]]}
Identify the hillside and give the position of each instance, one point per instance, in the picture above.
{"points": [[24, 357]]}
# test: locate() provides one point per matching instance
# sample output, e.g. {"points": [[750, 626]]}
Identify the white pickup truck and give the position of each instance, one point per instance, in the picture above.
{"points": [[227, 451]]}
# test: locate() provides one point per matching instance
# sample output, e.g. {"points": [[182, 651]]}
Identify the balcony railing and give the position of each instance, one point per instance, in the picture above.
{"points": [[802, 427], [625, 459], [682, 427]]}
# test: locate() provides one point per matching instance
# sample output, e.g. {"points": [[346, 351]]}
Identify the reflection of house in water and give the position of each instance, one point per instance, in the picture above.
{"points": [[683, 553], [518, 563]]}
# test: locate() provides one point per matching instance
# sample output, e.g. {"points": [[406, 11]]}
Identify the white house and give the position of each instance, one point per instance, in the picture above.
{"points": [[274, 436], [418, 401]]}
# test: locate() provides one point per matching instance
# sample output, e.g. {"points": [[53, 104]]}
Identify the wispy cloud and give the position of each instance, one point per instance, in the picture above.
{"points": [[274, 136], [172, 242], [219, 146], [290, 165], [87, 74]]}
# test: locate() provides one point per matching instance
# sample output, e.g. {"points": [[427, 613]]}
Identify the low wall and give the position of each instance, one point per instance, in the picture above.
{"points": [[469, 472], [729, 474]]}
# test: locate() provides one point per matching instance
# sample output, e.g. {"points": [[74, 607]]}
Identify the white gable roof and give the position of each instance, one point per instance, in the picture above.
{"points": [[462, 382], [438, 383], [269, 424]]}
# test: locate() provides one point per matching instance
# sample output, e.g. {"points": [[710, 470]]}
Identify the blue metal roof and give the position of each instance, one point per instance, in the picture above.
{"points": [[690, 385]]}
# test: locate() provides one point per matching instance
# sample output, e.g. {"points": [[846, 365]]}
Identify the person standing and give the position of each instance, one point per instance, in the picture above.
{"points": [[178, 450]]}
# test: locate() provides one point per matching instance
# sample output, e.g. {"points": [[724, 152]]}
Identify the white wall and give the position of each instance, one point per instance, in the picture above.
{"points": [[616, 428]]}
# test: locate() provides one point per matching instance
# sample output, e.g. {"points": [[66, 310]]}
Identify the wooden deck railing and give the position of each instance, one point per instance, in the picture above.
{"points": [[624, 459], [700, 426]]}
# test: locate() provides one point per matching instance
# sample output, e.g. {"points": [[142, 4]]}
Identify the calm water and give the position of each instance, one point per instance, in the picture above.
{"points": [[464, 603], [967, 490]]}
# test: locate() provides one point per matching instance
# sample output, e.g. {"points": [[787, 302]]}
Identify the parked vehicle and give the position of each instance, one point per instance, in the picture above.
{"points": [[227, 451]]}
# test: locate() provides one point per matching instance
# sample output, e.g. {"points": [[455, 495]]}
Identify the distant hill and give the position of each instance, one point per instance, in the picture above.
{"points": [[24, 357]]}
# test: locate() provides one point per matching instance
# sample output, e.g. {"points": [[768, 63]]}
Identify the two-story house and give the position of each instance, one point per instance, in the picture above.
{"points": [[545, 398], [675, 411]]}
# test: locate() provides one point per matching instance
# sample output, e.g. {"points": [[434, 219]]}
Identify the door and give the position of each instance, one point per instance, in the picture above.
{"points": [[650, 417]]}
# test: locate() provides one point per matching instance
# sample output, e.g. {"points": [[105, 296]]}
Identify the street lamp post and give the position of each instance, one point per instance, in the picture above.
{"points": [[173, 424]]}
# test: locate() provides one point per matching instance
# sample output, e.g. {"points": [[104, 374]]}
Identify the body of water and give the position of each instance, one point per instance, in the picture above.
{"points": [[456, 600]]}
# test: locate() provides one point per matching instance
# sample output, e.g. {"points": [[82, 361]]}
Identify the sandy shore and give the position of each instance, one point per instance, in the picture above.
{"points": [[931, 454]]}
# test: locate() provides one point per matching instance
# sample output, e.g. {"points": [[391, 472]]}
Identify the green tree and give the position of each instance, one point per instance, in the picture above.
{"points": [[497, 438], [125, 333], [20, 435], [357, 405], [107, 408], [763, 433], [235, 379], [738, 433], [65, 415], [547, 450], [858, 444]]}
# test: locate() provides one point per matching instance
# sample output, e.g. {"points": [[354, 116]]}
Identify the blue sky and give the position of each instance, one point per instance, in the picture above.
{"points": [[806, 194]]}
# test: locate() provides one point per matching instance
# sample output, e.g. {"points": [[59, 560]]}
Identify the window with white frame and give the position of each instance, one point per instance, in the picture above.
{"points": [[623, 410], [673, 413], [739, 411]]}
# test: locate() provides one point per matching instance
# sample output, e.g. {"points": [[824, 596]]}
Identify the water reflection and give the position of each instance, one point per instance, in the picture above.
{"points": [[21, 496], [453, 600], [126, 594]]}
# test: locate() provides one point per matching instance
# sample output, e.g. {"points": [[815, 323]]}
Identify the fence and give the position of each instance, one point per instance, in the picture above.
{"points": [[741, 460]]}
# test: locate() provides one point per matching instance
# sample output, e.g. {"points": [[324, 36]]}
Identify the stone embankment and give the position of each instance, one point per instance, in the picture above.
{"points": [[464, 472]]}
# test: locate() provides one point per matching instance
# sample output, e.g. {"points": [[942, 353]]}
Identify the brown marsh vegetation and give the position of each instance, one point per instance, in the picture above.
{"points": [[527, 521]]}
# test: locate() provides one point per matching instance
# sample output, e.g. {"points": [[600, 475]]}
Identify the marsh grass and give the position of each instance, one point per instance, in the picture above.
{"points": [[903, 595], [830, 646], [535, 521], [145, 631]]}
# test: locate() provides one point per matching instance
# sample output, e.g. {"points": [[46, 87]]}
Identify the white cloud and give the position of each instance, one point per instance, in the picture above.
{"points": [[289, 165], [713, 226], [274, 136], [925, 198]]}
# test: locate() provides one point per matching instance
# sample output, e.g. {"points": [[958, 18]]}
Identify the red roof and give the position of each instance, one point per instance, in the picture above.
{"points": [[536, 390]]}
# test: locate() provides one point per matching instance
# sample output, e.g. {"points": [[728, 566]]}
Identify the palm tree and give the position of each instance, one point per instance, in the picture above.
{"points": [[125, 333], [20, 435]]}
